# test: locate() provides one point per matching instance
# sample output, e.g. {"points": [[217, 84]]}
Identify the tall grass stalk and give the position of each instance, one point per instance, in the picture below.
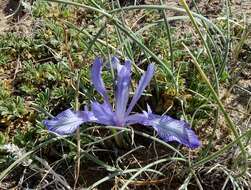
{"points": [[77, 165], [221, 107], [228, 40], [149, 166], [126, 45], [168, 33], [143, 135], [124, 29], [127, 171], [216, 80], [4, 173], [176, 9]]}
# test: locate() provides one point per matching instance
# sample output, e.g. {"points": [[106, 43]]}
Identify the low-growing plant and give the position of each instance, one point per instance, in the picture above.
{"points": [[167, 128], [191, 59]]}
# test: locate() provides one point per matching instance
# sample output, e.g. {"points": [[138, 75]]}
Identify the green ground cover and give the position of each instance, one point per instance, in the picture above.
{"points": [[201, 60]]}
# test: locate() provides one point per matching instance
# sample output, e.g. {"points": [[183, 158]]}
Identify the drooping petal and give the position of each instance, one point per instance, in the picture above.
{"points": [[103, 113], [97, 79], [68, 121], [167, 128], [145, 79], [122, 93], [170, 129]]}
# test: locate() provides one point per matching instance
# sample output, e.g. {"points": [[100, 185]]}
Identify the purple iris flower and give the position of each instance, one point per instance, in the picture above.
{"points": [[167, 128]]}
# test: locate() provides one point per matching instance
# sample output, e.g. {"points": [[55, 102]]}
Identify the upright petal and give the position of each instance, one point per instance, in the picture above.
{"points": [[128, 65], [103, 113], [68, 121], [122, 93], [116, 64], [145, 79], [97, 79]]}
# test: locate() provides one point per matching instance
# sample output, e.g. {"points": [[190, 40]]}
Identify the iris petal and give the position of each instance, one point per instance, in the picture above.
{"points": [[103, 113], [145, 79], [170, 129], [137, 118], [167, 128], [116, 64], [97, 79], [68, 121], [122, 93]]}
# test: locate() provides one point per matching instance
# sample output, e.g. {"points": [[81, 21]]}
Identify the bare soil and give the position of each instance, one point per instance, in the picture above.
{"points": [[14, 18]]}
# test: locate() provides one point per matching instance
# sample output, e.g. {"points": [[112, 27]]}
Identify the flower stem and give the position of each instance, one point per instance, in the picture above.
{"points": [[119, 139]]}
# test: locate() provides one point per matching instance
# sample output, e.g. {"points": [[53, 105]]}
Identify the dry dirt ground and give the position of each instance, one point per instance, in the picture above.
{"points": [[3, 20], [13, 17]]}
